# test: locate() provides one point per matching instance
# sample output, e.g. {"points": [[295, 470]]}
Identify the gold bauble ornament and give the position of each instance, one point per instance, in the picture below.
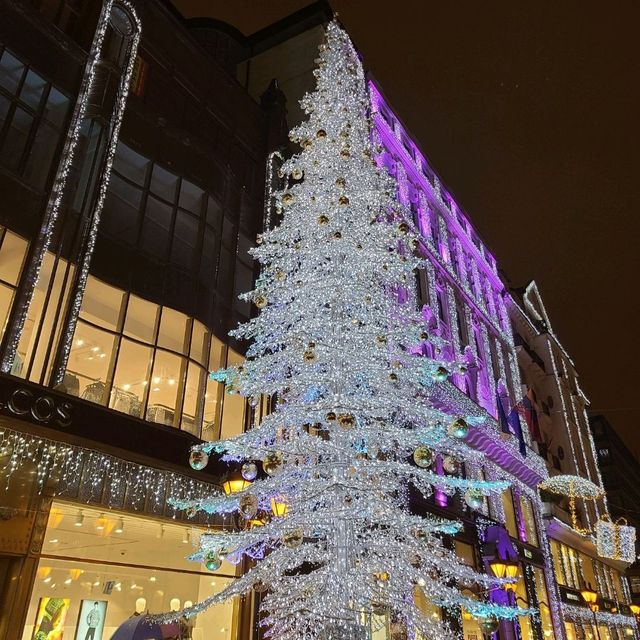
{"points": [[309, 355], [440, 374], [323, 220], [272, 463], [306, 143], [345, 153], [414, 244], [293, 539], [336, 235], [462, 369], [393, 377], [259, 239], [450, 465], [344, 134], [341, 182], [343, 201], [381, 339], [321, 133], [346, 420], [358, 246], [423, 457], [296, 174], [424, 336], [458, 428], [260, 301], [331, 416], [403, 228], [287, 198], [280, 275]]}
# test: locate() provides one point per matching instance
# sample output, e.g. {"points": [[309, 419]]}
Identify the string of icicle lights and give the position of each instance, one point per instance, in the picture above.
{"points": [[353, 434]]}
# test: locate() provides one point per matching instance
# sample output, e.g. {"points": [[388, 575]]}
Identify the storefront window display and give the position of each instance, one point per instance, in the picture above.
{"points": [[99, 568], [528, 520]]}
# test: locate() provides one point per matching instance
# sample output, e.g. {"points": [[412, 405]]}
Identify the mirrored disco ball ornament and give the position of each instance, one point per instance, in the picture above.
{"points": [[458, 428], [198, 459], [293, 539], [489, 625], [423, 457], [249, 471], [272, 463], [212, 561], [450, 464], [248, 505], [441, 374], [474, 499]]}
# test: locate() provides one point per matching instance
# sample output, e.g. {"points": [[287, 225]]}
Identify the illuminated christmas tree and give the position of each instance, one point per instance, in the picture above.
{"points": [[340, 345]]}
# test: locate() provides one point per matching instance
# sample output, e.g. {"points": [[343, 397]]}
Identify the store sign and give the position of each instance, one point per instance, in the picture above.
{"points": [[571, 596], [35, 406], [530, 556]]}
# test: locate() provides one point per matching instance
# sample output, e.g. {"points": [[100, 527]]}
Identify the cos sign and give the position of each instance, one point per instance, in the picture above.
{"points": [[41, 408]]}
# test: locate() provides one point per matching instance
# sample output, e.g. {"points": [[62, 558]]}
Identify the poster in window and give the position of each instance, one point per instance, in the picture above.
{"points": [[52, 613], [91, 620]]}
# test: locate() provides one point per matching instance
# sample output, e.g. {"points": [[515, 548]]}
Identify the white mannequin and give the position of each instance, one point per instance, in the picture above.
{"points": [[188, 603], [141, 605], [174, 605]]}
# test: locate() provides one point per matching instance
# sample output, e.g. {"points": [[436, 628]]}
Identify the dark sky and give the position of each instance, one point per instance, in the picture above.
{"points": [[529, 112]]}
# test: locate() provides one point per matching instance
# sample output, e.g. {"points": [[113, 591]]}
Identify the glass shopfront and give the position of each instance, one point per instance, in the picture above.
{"points": [[97, 569]]}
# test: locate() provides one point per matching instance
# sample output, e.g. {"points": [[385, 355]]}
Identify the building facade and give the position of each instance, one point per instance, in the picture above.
{"points": [[132, 174], [621, 479], [557, 409], [134, 150]]}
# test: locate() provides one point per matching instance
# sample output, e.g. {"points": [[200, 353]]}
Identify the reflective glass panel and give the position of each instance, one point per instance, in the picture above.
{"points": [[12, 253], [168, 372], [141, 319], [174, 330], [131, 378], [102, 304], [191, 413], [88, 365]]}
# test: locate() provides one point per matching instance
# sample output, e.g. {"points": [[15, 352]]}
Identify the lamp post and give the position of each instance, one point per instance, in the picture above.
{"points": [[506, 569], [234, 482], [591, 598]]}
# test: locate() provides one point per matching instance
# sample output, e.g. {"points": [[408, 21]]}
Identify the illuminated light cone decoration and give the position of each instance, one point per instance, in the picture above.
{"points": [[333, 343]]}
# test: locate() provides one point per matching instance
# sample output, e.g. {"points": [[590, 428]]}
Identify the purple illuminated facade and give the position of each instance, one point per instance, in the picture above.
{"points": [[463, 301]]}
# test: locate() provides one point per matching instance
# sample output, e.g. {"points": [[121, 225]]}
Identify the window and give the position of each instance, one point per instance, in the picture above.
{"points": [[543, 603], [13, 250], [528, 521], [151, 362], [32, 115], [509, 512], [175, 222]]}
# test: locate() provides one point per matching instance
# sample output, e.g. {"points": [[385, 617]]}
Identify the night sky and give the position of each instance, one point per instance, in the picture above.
{"points": [[529, 113]]}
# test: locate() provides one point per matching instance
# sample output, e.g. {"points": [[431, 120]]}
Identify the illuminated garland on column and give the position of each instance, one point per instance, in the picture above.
{"points": [[32, 275], [117, 115]]}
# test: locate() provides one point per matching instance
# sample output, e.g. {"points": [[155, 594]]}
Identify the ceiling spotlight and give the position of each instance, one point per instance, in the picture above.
{"points": [[120, 527], [79, 519]]}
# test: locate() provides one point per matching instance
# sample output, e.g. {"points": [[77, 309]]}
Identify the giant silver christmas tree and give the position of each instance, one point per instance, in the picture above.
{"points": [[338, 342]]}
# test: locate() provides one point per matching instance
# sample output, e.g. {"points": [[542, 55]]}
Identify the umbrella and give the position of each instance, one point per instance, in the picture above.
{"points": [[574, 487], [143, 628]]}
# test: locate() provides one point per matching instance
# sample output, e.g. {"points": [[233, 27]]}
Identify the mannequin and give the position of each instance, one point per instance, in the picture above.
{"points": [[141, 605]]}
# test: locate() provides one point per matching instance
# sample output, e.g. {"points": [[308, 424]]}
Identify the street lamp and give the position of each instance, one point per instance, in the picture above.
{"points": [[506, 569], [591, 598], [234, 482]]}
